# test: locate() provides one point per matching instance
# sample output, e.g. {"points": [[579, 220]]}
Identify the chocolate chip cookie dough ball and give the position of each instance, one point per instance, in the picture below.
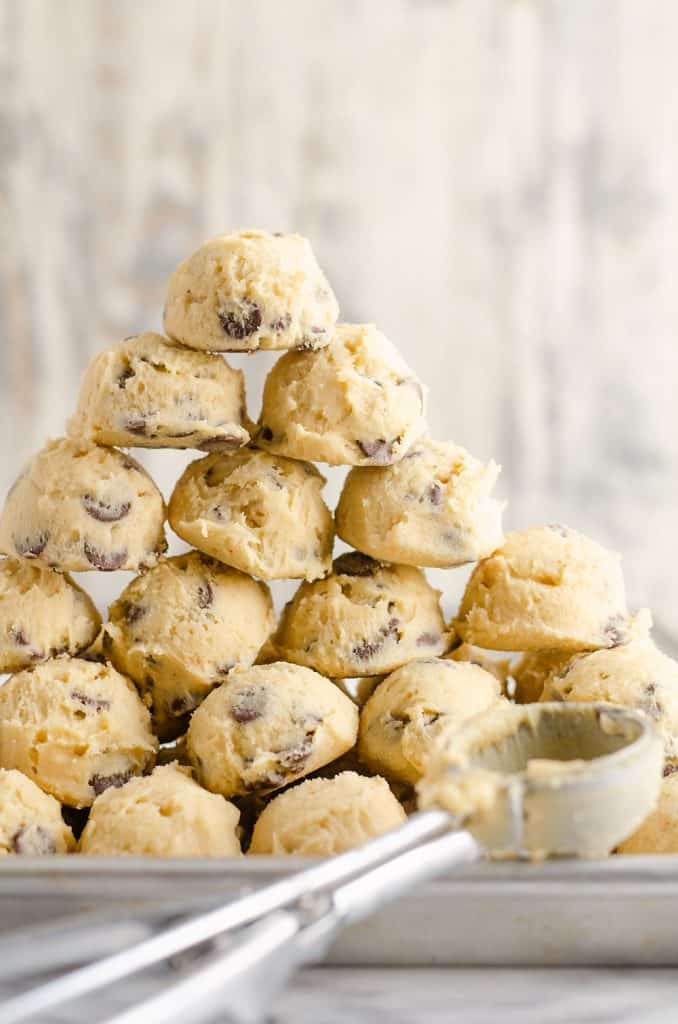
{"points": [[165, 814], [322, 817], [250, 290], [659, 832], [403, 719], [267, 726], [261, 513], [637, 675], [30, 820], [80, 507], [180, 628], [147, 393], [356, 403], [75, 728], [547, 587], [42, 614], [431, 508]]}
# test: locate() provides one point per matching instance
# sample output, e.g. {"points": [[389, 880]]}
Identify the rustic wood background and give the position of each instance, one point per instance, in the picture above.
{"points": [[492, 181]]}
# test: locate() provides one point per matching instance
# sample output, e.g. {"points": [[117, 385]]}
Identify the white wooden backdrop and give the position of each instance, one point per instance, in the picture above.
{"points": [[494, 182]]}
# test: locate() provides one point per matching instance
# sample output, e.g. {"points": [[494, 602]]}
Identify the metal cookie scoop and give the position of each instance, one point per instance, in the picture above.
{"points": [[537, 780]]}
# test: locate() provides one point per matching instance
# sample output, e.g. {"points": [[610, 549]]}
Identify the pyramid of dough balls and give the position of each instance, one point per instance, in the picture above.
{"points": [[193, 721]]}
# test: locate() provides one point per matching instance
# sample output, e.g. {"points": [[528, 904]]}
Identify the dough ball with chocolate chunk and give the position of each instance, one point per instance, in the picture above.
{"points": [[267, 726], [30, 820], [355, 403], [148, 393], [180, 628], [434, 507], [78, 507], [165, 814], [637, 675], [322, 817], [401, 722], [547, 587], [43, 614], [75, 728], [659, 832], [366, 618], [261, 513], [251, 290]]}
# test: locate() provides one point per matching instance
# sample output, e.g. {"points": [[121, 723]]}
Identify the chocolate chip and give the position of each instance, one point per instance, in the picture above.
{"points": [[428, 640], [96, 703], [379, 451], [105, 511], [31, 547], [182, 705], [106, 642], [241, 324], [205, 594], [19, 637], [225, 668], [306, 345], [152, 659], [33, 841], [435, 495], [291, 759], [138, 426], [396, 722], [282, 323], [55, 652], [669, 769], [354, 563], [106, 561], [367, 649], [267, 433], [616, 631], [248, 704], [133, 612], [562, 531], [126, 375], [221, 443], [100, 783]]}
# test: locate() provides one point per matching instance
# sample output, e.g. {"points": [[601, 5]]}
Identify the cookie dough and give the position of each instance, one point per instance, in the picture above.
{"points": [[267, 726], [80, 507], [431, 508], [637, 675], [659, 832], [75, 728], [322, 817], [261, 513], [180, 628], [355, 403], [30, 820], [533, 669], [402, 720], [500, 668], [148, 393], [250, 290], [365, 618], [165, 814], [42, 614], [547, 587]]}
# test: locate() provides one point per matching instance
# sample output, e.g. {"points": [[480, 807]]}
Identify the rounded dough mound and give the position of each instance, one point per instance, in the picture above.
{"points": [[267, 726], [148, 393], [179, 629], [165, 814], [42, 614], [322, 817], [431, 508], [261, 513], [659, 832], [636, 675], [545, 587], [75, 728], [402, 720], [356, 403], [366, 618], [80, 507], [30, 820], [250, 290]]}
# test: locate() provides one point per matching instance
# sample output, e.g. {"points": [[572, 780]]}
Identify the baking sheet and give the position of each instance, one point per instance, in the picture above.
{"points": [[623, 910]]}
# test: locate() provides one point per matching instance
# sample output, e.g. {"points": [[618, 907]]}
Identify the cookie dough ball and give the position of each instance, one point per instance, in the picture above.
{"points": [[30, 820], [165, 814], [80, 507], [322, 817], [180, 628], [147, 393], [431, 508], [533, 669], [42, 614], [659, 832], [402, 720], [261, 513], [356, 403], [548, 587], [636, 675], [250, 290], [267, 726], [366, 618], [75, 728]]}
